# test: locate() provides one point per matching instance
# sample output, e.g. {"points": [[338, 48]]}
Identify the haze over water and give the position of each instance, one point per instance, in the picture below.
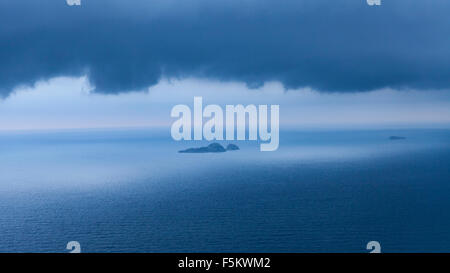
{"points": [[130, 191]]}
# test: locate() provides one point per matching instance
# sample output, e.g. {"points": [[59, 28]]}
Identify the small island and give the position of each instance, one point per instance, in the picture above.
{"points": [[396, 137], [211, 148], [232, 147]]}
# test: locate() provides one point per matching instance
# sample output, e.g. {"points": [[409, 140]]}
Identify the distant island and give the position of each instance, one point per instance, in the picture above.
{"points": [[211, 148], [396, 137]]}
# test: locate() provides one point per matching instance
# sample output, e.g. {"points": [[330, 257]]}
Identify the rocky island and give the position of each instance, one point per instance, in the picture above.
{"points": [[232, 147], [396, 137], [211, 148]]}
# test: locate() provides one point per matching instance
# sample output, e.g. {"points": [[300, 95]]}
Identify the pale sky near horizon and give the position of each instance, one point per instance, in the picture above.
{"points": [[67, 102]]}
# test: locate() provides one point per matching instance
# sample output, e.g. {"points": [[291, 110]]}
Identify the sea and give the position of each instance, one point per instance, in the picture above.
{"points": [[129, 190]]}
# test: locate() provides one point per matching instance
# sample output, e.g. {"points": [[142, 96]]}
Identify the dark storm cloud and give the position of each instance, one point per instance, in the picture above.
{"points": [[342, 46]]}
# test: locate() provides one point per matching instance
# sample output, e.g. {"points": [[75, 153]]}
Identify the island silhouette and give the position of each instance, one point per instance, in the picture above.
{"points": [[396, 137], [211, 148]]}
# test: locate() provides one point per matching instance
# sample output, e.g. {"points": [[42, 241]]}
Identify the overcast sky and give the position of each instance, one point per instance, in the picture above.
{"points": [[114, 63]]}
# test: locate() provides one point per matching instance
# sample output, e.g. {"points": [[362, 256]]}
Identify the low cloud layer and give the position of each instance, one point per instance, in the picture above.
{"points": [[335, 46]]}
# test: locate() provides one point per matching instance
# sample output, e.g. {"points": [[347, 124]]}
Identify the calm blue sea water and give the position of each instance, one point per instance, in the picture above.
{"points": [[130, 191]]}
